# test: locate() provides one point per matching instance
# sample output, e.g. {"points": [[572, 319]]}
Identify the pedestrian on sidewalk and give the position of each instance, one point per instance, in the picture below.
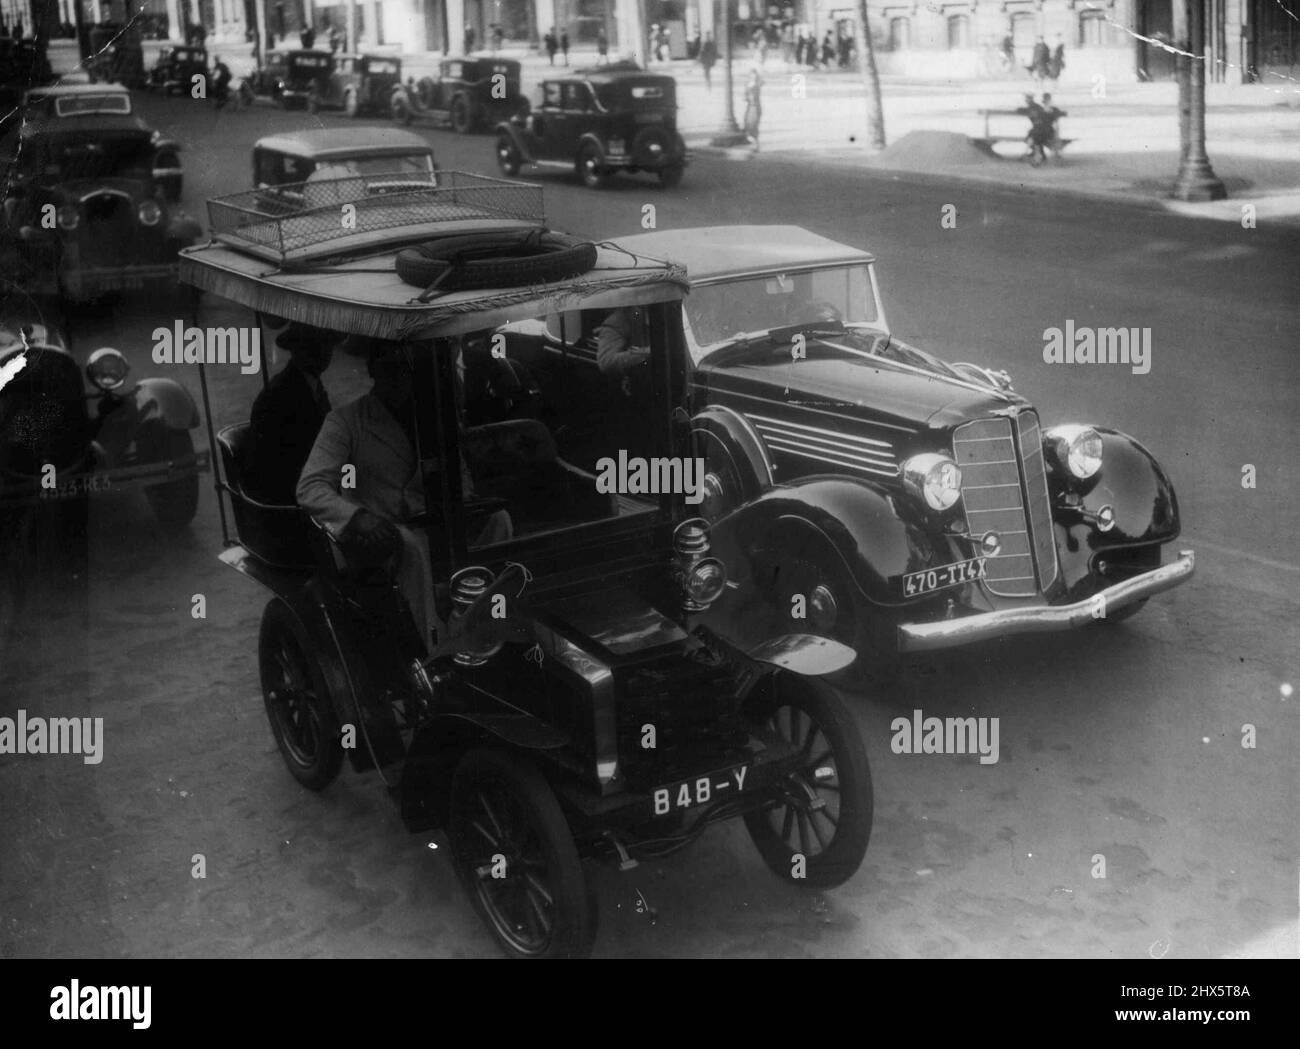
{"points": [[753, 106], [552, 45], [498, 37], [602, 48], [828, 49], [1057, 62], [1041, 60], [308, 37], [564, 44], [1008, 54], [469, 40], [708, 58]]}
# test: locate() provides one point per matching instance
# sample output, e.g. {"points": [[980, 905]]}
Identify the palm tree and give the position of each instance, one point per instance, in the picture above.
{"points": [[870, 80]]}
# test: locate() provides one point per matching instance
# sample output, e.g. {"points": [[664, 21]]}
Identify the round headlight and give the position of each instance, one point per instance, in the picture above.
{"points": [[69, 217], [107, 368], [149, 212], [705, 581], [933, 478], [1076, 449]]}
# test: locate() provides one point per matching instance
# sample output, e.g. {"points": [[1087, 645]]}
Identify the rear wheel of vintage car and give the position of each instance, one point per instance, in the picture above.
{"points": [[462, 115], [297, 700], [516, 857], [824, 811], [174, 502], [508, 158], [589, 168], [671, 176]]}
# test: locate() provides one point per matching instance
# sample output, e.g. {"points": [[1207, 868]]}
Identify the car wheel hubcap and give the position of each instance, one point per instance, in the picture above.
{"points": [[807, 817]]}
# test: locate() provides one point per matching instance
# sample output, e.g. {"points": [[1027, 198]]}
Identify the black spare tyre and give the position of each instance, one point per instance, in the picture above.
{"points": [[503, 259]]}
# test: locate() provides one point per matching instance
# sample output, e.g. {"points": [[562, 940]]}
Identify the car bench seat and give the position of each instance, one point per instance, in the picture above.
{"points": [[280, 535]]}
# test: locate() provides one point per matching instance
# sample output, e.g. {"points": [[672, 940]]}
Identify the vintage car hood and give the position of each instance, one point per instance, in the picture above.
{"points": [[875, 388]]}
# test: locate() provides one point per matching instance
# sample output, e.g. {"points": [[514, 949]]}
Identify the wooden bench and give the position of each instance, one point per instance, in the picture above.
{"points": [[988, 140]]}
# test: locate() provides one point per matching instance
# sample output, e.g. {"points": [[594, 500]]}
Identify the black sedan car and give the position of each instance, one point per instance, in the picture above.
{"points": [[599, 121], [90, 198], [893, 500]]}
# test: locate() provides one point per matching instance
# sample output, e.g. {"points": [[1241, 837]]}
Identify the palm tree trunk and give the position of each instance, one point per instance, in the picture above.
{"points": [[870, 80]]}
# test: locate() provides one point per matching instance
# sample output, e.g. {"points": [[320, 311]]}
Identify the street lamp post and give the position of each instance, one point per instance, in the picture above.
{"points": [[727, 23], [1196, 178]]}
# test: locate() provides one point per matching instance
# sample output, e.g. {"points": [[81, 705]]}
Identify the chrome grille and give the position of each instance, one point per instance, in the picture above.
{"points": [[834, 448], [991, 455]]}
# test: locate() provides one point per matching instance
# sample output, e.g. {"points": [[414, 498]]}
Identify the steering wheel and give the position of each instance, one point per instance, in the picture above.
{"points": [[811, 312]]}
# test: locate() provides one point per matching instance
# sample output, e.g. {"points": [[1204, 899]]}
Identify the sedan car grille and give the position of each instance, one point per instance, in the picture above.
{"points": [[834, 448], [1004, 490]]}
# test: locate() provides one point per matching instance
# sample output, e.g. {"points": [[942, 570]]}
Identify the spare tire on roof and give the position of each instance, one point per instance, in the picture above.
{"points": [[501, 259]]}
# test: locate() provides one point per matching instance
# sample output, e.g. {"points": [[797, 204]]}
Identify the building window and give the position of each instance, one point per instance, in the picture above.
{"points": [[1092, 29], [900, 34], [958, 32]]}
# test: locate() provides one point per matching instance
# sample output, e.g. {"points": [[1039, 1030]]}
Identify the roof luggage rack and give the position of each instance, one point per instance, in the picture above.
{"points": [[304, 220]]}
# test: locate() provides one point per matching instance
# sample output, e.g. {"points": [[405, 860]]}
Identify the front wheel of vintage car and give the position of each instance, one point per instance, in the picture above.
{"points": [[508, 159], [589, 169], [297, 701], [815, 833], [174, 503], [462, 116], [516, 857]]}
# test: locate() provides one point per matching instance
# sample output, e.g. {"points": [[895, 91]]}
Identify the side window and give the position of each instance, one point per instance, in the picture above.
{"points": [[552, 95]]}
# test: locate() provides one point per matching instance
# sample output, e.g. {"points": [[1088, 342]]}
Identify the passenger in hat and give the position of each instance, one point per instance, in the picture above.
{"points": [[375, 434], [288, 415]]}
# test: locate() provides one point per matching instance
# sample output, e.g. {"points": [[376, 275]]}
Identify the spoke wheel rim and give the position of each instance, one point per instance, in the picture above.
{"points": [[803, 828], [521, 905], [293, 704]]}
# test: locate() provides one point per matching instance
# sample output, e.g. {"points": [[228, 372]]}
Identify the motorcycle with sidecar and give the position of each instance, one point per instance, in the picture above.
{"points": [[570, 704]]}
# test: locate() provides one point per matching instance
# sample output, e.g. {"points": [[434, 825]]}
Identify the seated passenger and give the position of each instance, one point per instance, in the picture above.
{"points": [[375, 435], [287, 416], [622, 345]]}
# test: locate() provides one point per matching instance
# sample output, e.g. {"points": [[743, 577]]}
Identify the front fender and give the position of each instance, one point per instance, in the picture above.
{"points": [[518, 137], [733, 454], [854, 524], [808, 655], [165, 401], [1137, 488]]}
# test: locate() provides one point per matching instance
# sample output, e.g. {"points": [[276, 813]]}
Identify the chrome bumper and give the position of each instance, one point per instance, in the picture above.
{"points": [[950, 633]]}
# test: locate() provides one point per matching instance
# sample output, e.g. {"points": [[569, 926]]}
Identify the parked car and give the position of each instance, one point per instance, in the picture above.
{"points": [[916, 505], [289, 78], [571, 705], [90, 202], [599, 121], [359, 85], [174, 70], [61, 443], [470, 94], [305, 168], [116, 55]]}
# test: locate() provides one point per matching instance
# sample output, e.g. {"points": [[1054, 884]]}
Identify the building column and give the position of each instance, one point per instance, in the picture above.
{"points": [[631, 30], [455, 27], [546, 16]]}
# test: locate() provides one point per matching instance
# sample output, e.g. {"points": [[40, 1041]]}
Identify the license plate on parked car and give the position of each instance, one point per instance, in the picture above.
{"points": [[85, 484], [700, 790], [944, 576]]}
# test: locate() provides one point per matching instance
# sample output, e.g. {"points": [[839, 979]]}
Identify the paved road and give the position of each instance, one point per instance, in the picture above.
{"points": [[1122, 741]]}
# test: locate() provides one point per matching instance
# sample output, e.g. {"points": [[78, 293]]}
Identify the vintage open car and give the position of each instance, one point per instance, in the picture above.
{"points": [[90, 196], [176, 67], [61, 443], [599, 121], [288, 78], [116, 54], [915, 505], [360, 85], [470, 94], [570, 703]]}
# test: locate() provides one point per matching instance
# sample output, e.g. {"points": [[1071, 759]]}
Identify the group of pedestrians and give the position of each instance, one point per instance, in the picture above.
{"points": [[558, 43]]}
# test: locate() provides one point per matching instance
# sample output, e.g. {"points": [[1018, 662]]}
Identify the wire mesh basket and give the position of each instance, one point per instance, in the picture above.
{"points": [[282, 221]]}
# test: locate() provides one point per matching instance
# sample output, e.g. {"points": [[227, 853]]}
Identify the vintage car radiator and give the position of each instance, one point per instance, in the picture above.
{"points": [[1004, 490]]}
